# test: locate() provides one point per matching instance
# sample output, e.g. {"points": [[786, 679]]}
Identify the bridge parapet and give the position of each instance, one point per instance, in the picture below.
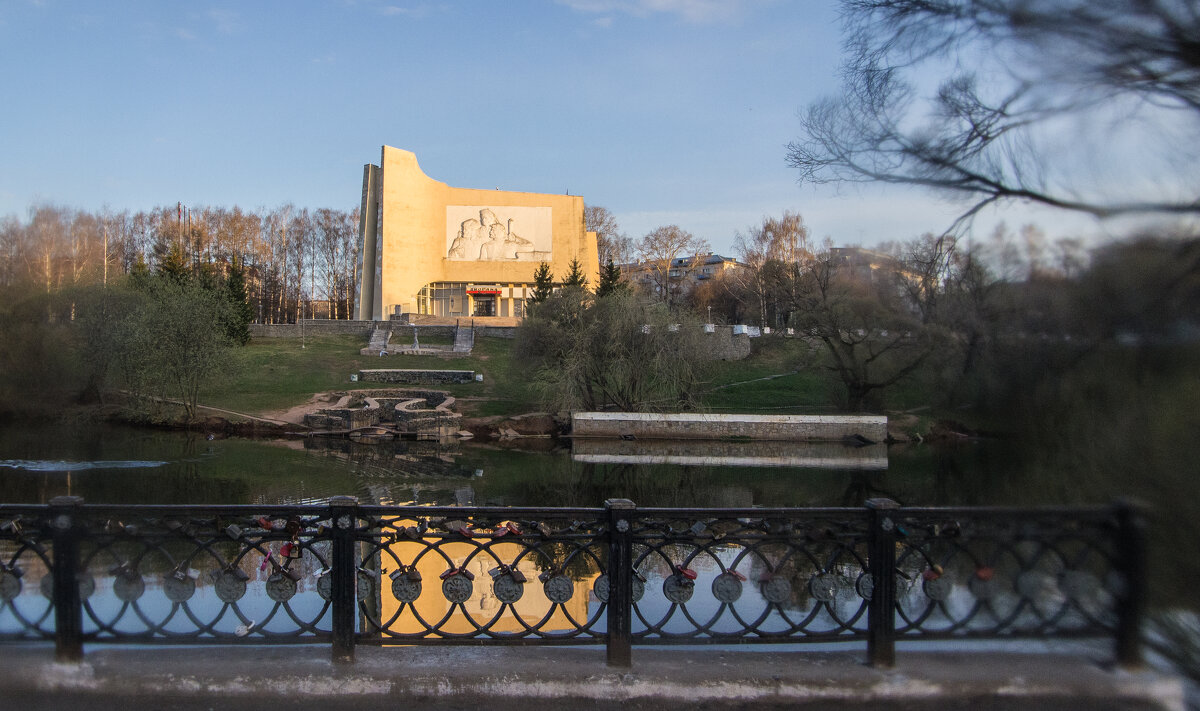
{"points": [[345, 575]]}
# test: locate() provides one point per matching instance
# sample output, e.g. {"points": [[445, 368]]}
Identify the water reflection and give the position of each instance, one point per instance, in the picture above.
{"points": [[802, 455]]}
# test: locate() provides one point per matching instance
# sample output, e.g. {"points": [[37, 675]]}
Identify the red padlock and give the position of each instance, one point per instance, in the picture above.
{"points": [[687, 573]]}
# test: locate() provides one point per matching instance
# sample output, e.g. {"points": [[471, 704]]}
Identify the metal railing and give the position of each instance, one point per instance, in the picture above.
{"points": [[345, 574]]}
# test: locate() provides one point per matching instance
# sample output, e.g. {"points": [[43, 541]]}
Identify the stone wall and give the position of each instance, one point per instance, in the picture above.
{"points": [[723, 344], [430, 377], [496, 331], [706, 426], [312, 327]]}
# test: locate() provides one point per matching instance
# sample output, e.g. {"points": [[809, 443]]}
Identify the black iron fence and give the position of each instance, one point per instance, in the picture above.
{"points": [[344, 574]]}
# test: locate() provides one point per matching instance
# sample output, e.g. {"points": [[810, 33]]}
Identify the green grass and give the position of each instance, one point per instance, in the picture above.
{"points": [[738, 386], [275, 374]]}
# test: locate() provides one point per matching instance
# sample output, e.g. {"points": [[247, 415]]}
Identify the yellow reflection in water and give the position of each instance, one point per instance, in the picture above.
{"points": [[482, 609]]}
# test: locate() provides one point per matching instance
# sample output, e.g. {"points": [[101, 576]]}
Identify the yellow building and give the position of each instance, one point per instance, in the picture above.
{"points": [[428, 248]]}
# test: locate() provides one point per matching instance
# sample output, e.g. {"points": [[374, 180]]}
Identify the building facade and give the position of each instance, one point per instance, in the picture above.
{"points": [[428, 248], [680, 275]]}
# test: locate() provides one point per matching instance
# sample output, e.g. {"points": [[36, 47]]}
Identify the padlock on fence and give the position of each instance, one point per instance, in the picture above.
{"points": [[457, 585]]}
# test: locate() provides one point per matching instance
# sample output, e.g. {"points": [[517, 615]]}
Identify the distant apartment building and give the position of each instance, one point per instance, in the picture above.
{"points": [[680, 276]]}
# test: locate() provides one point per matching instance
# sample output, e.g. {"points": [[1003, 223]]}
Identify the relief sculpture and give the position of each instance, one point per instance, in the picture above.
{"points": [[490, 239]]}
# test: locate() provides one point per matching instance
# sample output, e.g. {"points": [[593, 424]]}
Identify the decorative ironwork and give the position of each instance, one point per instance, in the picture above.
{"points": [[347, 574]]}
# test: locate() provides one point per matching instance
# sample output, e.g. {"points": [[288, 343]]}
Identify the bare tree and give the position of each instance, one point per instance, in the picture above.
{"points": [[611, 244], [668, 253], [866, 325], [1056, 61], [769, 251]]}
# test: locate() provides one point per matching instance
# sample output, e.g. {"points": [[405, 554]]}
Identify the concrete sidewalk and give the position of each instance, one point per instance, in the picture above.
{"points": [[492, 678]]}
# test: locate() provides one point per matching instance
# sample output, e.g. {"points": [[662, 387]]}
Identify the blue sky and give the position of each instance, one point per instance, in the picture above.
{"points": [[663, 111]]}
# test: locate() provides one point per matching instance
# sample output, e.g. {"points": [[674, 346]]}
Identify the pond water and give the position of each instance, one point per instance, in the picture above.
{"points": [[109, 464]]}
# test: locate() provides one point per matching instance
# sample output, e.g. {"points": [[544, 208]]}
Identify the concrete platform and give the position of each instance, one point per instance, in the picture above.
{"points": [[233, 678]]}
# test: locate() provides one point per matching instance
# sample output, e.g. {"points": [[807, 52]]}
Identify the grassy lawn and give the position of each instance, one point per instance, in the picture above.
{"points": [[276, 373], [738, 386]]}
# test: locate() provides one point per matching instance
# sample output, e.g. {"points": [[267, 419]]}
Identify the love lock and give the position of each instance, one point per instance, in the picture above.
{"points": [[457, 585], [234, 531], [280, 587], [678, 588], [179, 585], [406, 583], [775, 588], [293, 527], [557, 587], [325, 583], [507, 583], [414, 533], [10, 582], [506, 528], [127, 582], [365, 586], [934, 585], [291, 550], [727, 587], [286, 569], [265, 523], [11, 526], [230, 584], [984, 584], [462, 528]]}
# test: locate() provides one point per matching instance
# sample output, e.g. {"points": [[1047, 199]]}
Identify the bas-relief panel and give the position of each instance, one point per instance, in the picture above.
{"points": [[495, 234]]}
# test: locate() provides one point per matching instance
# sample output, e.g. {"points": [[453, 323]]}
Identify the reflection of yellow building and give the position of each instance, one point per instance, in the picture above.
{"points": [[482, 606], [429, 248]]}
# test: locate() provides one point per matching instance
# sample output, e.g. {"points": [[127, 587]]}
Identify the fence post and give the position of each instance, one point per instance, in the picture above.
{"points": [[1131, 597], [620, 581], [343, 515], [68, 607], [881, 611]]}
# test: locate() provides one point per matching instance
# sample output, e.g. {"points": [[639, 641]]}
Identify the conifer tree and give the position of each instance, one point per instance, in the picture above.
{"points": [[240, 313], [543, 284], [175, 267], [610, 280], [575, 277]]}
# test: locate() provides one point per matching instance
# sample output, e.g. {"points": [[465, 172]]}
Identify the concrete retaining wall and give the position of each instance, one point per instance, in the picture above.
{"points": [[312, 327], [723, 344], [705, 426], [401, 332], [416, 376]]}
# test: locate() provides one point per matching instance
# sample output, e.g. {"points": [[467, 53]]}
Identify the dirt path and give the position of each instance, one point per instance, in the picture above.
{"points": [[295, 415]]}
